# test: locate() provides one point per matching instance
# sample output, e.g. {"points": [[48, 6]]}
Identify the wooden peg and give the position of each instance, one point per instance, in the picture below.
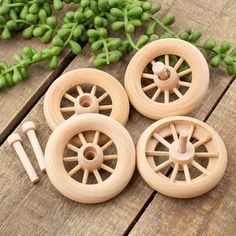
{"points": [[29, 128], [183, 139], [15, 141], [160, 70]]}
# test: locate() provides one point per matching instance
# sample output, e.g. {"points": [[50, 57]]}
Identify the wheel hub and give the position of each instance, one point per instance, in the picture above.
{"points": [[166, 77], [86, 103], [181, 158], [90, 156]]}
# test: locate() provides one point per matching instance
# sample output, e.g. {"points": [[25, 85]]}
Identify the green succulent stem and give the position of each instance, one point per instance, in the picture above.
{"points": [[128, 35], [165, 28]]}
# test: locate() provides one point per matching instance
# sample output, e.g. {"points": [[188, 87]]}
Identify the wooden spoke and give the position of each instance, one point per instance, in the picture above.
{"points": [[149, 87], [74, 170], [85, 177], [174, 172], [93, 90], [110, 157], [206, 154], [72, 147], [67, 109], [148, 76], [161, 140], [190, 132], [177, 92], [184, 72], [96, 137], [82, 138], [107, 145], [202, 141], [174, 132], [105, 107], [187, 174], [69, 97], [103, 96], [162, 165], [107, 168], [97, 176], [199, 167], [157, 153], [166, 97], [184, 84], [70, 159], [153, 62], [79, 89], [167, 60], [156, 94], [179, 63]]}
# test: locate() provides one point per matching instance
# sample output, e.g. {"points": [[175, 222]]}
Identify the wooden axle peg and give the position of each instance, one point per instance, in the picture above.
{"points": [[29, 128], [15, 141], [183, 139], [160, 70]]}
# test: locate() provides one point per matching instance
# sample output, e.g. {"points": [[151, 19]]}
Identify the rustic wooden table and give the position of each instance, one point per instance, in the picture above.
{"points": [[138, 210]]}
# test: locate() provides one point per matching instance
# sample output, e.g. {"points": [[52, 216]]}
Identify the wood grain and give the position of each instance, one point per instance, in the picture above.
{"points": [[211, 214], [13, 105], [41, 210]]}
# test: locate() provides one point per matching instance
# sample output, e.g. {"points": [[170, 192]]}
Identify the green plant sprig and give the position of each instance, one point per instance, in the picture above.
{"points": [[94, 21]]}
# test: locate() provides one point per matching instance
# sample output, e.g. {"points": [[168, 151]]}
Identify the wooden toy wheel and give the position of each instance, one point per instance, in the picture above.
{"points": [[85, 91], [190, 148], [90, 173], [166, 77]]}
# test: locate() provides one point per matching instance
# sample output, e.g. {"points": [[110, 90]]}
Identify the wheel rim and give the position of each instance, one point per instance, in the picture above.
{"points": [[196, 171], [85, 91], [88, 173], [156, 87]]}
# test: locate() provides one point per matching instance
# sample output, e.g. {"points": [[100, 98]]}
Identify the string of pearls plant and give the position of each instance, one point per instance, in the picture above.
{"points": [[95, 22]]}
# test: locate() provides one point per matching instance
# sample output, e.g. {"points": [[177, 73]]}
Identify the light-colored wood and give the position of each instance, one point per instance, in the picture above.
{"points": [[29, 128], [182, 152], [38, 213], [85, 102], [184, 104], [212, 213], [183, 138], [15, 141], [90, 159]]}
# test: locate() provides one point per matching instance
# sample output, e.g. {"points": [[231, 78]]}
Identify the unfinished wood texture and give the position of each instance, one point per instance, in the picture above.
{"points": [[29, 128], [184, 102], [50, 213], [90, 159], [151, 167], [211, 214], [15, 140], [86, 102], [13, 105]]}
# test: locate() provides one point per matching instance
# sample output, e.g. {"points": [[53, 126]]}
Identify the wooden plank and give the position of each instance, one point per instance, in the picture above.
{"points": [[42, 210], [12, 104], [211, 214]]}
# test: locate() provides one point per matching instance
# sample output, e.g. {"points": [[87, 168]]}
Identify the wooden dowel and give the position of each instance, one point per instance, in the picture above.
{"points": [[15, 141], [183, 139], [29, 128], [160, 70]]}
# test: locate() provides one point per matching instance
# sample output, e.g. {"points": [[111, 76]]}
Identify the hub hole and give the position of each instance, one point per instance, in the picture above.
{"points": [[85, 101], [90, 153]]}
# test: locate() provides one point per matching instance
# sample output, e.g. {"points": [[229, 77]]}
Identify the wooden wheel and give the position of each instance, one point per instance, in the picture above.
{"points": [[85, 91], [90, 173], [190, 148], [166, 77]]}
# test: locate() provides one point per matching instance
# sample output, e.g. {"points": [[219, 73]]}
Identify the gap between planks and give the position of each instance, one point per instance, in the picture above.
{"points": [[36, 97], [153, 194]]}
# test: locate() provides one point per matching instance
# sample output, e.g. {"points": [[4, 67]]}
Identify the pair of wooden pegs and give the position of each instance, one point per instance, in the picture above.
{"points": [[15, 140]]}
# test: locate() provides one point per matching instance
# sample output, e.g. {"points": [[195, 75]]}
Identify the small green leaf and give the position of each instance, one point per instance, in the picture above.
{"points": [[53, 63], [75, 47], [215, 61]]}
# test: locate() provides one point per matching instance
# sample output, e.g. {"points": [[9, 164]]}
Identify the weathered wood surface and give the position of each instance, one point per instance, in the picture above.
{"points": [[41, 210]]}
